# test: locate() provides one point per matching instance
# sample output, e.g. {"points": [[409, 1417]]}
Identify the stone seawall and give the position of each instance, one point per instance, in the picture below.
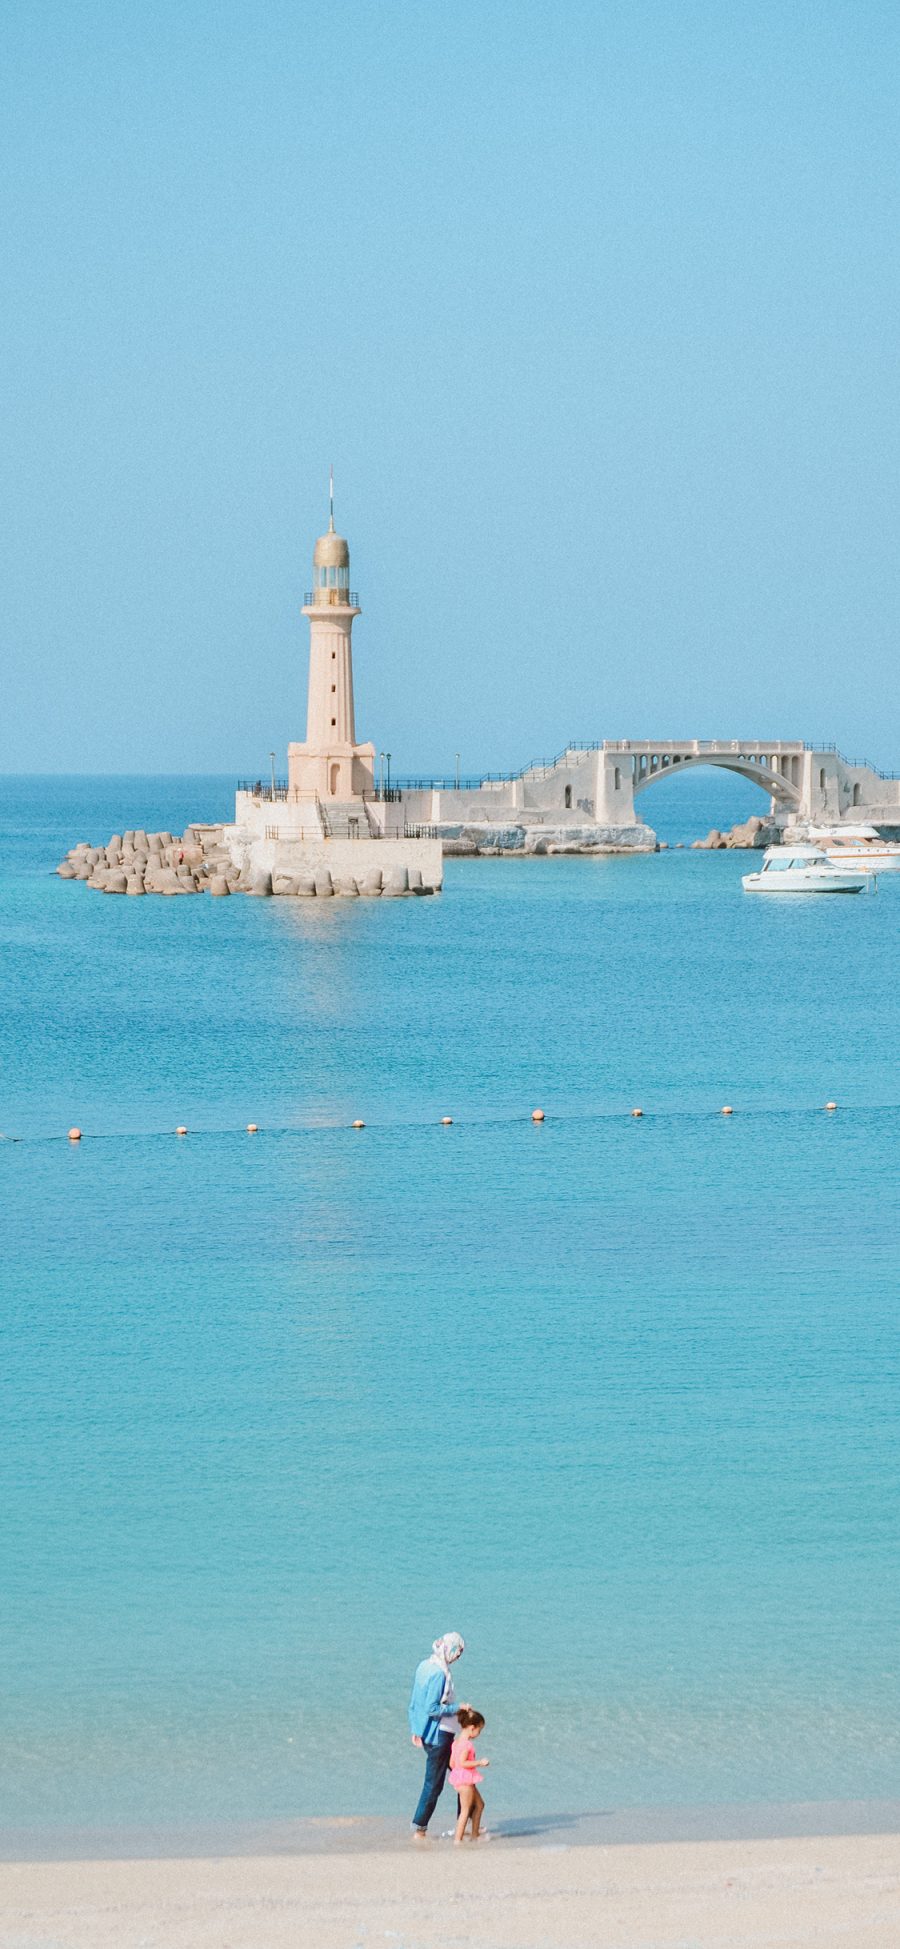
{"points": [[484, 838], [210, 859], [371, 866]]}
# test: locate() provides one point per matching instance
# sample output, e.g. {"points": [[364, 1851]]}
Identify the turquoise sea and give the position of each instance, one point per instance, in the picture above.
{"points": [[616, 1399]]}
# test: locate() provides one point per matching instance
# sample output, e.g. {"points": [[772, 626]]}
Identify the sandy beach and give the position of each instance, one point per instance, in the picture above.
{"points": [[685, 1895]]}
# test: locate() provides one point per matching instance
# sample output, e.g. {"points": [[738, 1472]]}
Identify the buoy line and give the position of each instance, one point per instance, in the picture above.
{"points": [[75, 1136]]}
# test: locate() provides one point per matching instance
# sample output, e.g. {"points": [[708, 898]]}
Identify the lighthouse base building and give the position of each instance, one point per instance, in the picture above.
{"points": [[328, 829]]}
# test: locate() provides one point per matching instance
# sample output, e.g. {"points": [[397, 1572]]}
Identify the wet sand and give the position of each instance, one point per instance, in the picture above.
{"points": [[743, 1893]]}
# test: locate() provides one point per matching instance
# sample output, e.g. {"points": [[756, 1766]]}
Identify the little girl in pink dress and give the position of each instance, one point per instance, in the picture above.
{"points": [[464, 1774]]}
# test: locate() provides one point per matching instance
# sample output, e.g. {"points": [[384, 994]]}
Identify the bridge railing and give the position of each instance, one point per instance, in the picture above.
{"points": [[853, 764], [695, 747]]}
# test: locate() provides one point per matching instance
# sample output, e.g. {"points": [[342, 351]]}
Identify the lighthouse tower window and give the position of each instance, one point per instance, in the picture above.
{"points": [[568, 798]]}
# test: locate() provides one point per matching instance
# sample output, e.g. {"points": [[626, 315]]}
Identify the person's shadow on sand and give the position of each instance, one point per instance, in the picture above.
{"points": [[530, 1827]]}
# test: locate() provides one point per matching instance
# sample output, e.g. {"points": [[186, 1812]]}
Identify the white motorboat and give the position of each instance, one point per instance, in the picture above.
{"points": [[803, 869], [859, 846]]}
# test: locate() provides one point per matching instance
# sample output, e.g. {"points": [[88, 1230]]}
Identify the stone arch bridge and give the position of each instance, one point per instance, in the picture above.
{"points": [[813, 782], [591, 796]]}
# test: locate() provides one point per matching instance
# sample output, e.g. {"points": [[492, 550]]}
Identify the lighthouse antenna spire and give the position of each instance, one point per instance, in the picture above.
{"points": [[331, 500]]}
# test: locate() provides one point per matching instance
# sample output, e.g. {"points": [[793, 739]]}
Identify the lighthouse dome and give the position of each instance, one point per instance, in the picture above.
{"points": [[331, 551]]}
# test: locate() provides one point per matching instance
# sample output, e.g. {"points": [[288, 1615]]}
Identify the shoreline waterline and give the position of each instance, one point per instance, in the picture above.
{"points": [[661, 1824]]}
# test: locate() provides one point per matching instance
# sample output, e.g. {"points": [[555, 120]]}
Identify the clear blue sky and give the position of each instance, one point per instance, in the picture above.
{"points": [[593, 306]]}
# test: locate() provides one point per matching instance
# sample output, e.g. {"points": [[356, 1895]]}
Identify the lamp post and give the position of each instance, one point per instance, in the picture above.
{"points": [[457, 771], [387, 756], [381, 774], [272, 756]]}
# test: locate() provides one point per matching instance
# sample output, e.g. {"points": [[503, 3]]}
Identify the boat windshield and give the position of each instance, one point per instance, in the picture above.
{"points": [[793, 862]]}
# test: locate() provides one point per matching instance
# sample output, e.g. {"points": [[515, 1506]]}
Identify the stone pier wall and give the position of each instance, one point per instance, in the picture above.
{"points": [[362, 865], [223, 860]]}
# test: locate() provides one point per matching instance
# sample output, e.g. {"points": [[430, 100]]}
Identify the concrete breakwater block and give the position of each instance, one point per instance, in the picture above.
{"points": [[198, 861]]}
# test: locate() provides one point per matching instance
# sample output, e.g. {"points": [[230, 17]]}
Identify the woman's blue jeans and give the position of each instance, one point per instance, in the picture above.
{"points": [[437, 1760]]}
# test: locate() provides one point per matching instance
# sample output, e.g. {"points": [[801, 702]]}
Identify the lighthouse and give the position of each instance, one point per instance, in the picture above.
{"points": [[330, 764]]}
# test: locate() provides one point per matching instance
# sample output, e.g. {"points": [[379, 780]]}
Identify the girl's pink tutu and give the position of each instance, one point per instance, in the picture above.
{"points": [[463, 1770]]}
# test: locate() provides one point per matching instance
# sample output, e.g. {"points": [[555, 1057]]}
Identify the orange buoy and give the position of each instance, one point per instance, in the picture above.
{"points": [[252, 1127], [637, 1113], [727, 1110], [74, 1134], [831, 1106], [537, 1116], [358, 1124], [446, 1119], [181, 1130]]}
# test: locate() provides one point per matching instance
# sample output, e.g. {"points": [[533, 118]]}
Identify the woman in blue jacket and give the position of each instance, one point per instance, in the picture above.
{"points": [[433, 1722]]}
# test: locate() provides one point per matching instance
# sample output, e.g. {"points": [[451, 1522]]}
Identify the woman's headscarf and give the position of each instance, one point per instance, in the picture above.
{"points": [[446, 1649]]}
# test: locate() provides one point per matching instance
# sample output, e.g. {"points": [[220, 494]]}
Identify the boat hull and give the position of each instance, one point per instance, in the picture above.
{"points": [[864, 862], [799, 883]]}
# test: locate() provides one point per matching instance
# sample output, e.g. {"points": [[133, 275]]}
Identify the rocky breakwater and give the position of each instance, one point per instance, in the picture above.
{"points": [[154, 862], [468, 840], [199, 861], [754, 834]]}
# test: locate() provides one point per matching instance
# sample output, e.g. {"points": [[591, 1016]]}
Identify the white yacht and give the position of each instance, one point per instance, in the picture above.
{"points": [[859, 846], [803, 869]]}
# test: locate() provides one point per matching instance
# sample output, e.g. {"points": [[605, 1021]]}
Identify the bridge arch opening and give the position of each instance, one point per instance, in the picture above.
{"points": [[779, 778], [695, 793]]}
